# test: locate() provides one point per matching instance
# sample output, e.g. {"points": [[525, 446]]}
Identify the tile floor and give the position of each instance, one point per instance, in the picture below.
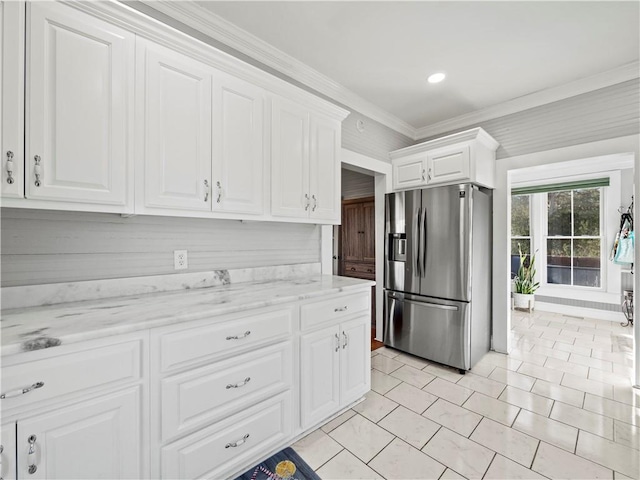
{"points": [[559, 406]]}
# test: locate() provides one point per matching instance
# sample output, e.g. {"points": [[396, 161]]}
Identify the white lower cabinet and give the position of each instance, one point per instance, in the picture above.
{"points": [[335, 362], [97, 438], [215, 451], [77, 411]]}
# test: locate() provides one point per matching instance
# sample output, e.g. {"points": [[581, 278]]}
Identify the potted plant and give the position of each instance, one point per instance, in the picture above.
{"points": [[525, 282]]}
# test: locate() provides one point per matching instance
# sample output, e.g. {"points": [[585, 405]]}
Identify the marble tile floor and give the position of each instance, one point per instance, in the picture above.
{"points": [[559, 406]]}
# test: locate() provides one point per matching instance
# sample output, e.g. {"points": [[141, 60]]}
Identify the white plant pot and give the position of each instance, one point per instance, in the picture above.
{"points": [[523, 300]]}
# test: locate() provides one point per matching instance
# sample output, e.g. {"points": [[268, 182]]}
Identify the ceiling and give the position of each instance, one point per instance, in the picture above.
{"points": [[492, 52]]}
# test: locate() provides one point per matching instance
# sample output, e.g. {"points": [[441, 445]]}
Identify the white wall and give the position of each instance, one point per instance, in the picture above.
{"points": [[49, 246]]}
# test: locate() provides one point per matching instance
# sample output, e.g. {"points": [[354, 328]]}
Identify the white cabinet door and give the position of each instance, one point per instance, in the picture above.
{"points": [[80, 108], [238, 146], [8, 451], [448, 164], [175, 118], [410, 172], [320, 375], [12, 98], [325, 178], [98, 438], [289, 160], [355, 361]]}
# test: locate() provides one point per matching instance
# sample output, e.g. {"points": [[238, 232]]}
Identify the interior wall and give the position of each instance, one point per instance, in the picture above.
{"points": [[357, 185], [375, 141], [41, 246]]}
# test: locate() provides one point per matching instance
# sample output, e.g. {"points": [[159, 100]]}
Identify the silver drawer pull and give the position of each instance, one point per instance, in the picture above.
{"points": [[238, 385], [31, 455], [237, 443], [21, 391], [340, 309], [9, 166], [238, 337]]}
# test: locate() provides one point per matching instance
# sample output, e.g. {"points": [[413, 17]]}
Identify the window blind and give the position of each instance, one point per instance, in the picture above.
{"points": [[556, 187]]}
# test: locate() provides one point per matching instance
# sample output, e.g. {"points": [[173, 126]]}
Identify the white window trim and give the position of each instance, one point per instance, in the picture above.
{"points": [[610, 289]]}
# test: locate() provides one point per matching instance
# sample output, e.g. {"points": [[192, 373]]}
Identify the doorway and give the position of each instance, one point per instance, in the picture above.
{"points": [[355, 238]]}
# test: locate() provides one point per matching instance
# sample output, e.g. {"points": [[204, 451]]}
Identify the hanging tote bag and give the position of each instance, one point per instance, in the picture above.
{"points": [[624, 252]]}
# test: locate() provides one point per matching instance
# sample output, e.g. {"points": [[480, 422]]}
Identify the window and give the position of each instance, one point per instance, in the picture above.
{"points": [[574, 237], [520, 229]]}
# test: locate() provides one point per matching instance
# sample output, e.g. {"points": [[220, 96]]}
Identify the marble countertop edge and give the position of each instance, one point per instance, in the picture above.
{"points": [[37, 328]]}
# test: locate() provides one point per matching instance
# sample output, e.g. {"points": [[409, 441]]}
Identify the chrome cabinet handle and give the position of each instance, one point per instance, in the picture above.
{"points": [[423, 172], [237, 443], [429, 175], [9, 167], [306, 206], [315, 203], [207, 189], [346, 340], [239, 337], [341, 309], [21, 391], [238, 385], [37, 170], [31, 455], [337, 342], [219, 187]]}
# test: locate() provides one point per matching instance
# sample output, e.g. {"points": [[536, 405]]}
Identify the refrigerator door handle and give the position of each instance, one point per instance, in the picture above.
{"points": [[417, 237], [433, 305], [423, 243]]}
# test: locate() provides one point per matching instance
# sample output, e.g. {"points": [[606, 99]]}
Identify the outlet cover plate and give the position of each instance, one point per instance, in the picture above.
{"points": [[180, 260]]}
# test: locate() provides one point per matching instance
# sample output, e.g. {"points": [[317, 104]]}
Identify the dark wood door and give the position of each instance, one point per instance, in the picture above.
{"points": [[368, 235], [351, 228]]}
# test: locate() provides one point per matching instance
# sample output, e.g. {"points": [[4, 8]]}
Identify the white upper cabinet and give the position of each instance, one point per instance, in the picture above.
{"points": [[462, 157], [325, 178], [12, 98], [238, 146], [174, 129], [305, 163], [289, 159], [80, 72]]}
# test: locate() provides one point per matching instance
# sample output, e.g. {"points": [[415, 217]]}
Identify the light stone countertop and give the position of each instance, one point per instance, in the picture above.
{"points": [[34, 328]]}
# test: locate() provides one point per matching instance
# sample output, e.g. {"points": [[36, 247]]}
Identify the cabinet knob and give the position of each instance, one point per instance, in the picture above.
{"points": [[9, 167]]}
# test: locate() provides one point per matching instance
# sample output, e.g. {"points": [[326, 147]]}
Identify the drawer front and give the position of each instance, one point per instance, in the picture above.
{"points": [[71, 373], [360, 270], [207, 394], [210, 341], [335, 308], [221, 448]]}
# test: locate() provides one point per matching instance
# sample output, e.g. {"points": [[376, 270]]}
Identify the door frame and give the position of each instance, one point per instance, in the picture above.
{"points": [[381, 171]]}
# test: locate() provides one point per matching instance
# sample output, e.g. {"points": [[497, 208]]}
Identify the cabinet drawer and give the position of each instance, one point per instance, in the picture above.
{"points": [[216, 451], [363, 269], [210, 341], [70, 373], [207, 394], [336, 308]]}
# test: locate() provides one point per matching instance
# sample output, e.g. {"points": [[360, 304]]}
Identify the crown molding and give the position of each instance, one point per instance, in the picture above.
{"points": [[536, 99], [216, 27]]}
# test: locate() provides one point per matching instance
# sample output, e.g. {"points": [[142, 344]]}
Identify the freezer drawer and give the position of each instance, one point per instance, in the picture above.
{"points": [[430, 328]]}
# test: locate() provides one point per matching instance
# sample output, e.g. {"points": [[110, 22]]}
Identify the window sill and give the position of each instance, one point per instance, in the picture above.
{"points": [[579, 294]]}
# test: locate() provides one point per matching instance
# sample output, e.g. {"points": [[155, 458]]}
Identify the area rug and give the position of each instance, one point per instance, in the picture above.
{"points": [[284, 465]]}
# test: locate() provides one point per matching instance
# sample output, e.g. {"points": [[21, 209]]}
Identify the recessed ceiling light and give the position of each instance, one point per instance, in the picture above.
{"points": [[436, 78]]}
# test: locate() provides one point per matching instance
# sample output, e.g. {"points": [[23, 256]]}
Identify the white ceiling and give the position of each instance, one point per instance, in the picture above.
{"points": [[492, 52]]}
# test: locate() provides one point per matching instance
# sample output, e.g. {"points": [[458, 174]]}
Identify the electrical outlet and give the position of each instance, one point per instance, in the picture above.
{"points": [[180, 260]]}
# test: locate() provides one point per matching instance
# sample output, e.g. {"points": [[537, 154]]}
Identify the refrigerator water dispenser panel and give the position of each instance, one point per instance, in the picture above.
{"points": [[397, 247]]}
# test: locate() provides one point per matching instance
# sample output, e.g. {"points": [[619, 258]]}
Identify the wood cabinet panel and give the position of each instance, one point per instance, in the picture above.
{"points": [[358, 238]]}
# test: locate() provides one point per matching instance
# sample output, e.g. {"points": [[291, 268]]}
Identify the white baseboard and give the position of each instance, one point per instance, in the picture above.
{"points": [[580, 311]]}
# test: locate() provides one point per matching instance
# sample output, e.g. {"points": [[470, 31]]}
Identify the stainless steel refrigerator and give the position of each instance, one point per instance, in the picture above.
{"points": [[437, 302]]}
